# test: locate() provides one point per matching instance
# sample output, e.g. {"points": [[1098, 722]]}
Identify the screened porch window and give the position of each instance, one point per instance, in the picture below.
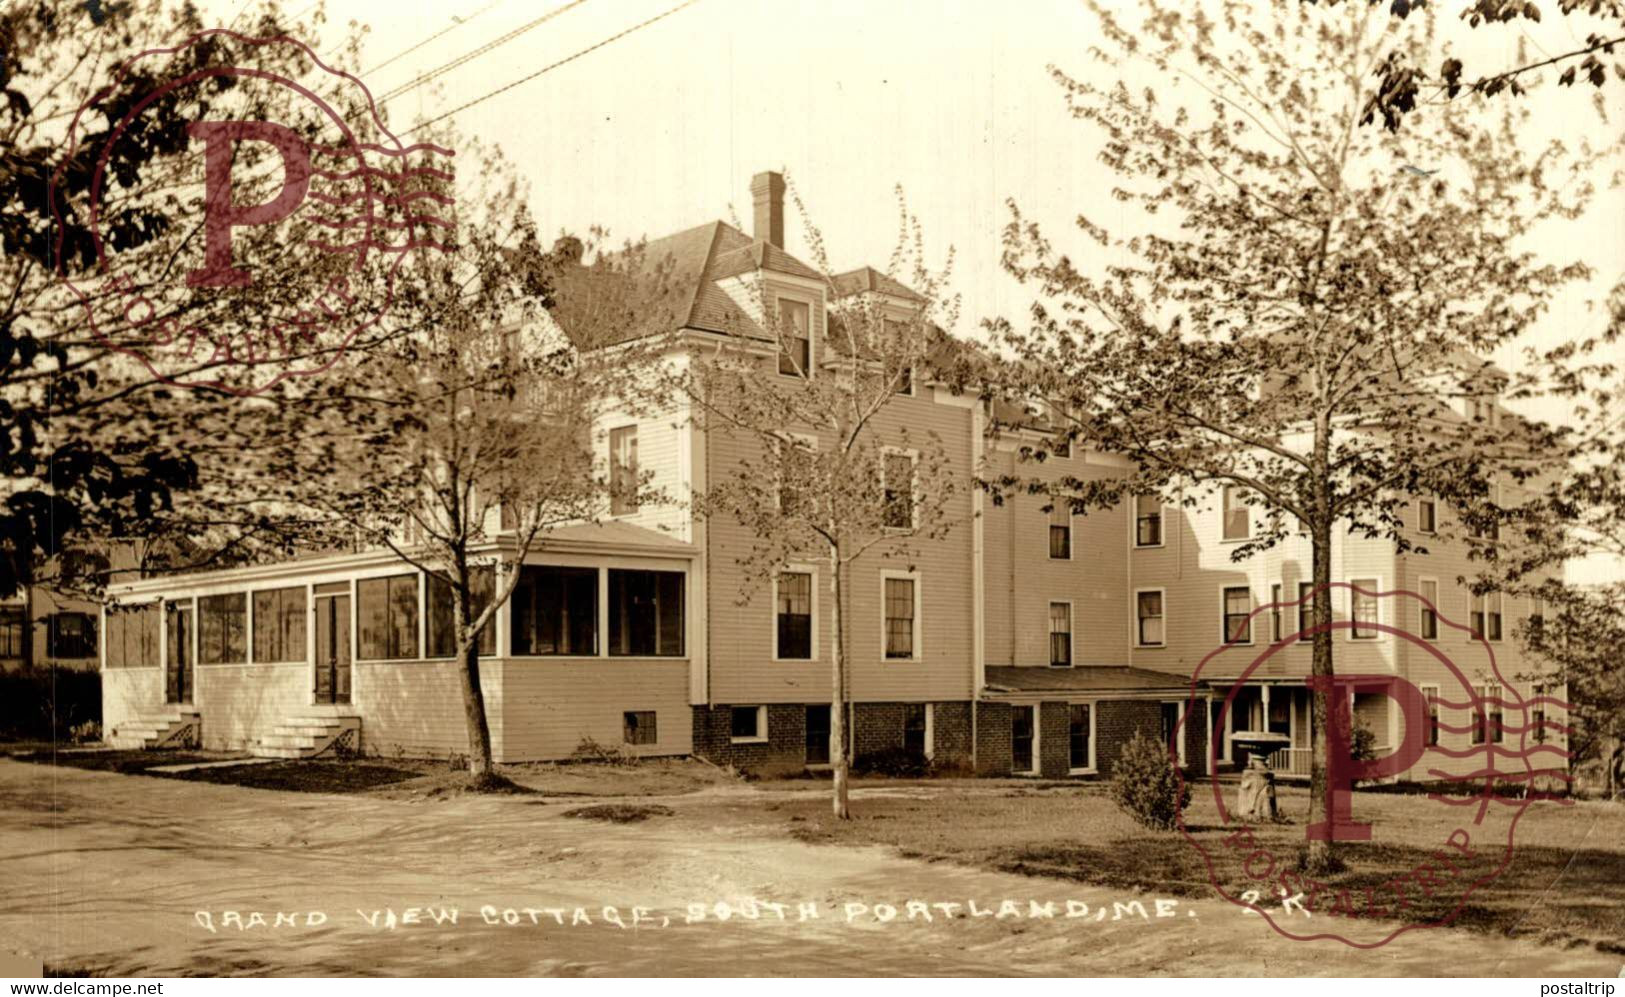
{"points": [[132, 636], [279, 625], [442, 614], [223, 629], [646, 613], [387, 609], [555, 611]]}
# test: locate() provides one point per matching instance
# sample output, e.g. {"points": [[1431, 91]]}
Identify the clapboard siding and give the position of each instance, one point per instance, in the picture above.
{"points": [[241, 703], [550, 707], [663, 458], [741, 665], [415, 708], [1194, 566], [129, 692], [1022, 579]]}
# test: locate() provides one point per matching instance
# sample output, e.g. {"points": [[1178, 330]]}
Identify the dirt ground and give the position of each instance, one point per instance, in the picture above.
{"points": [[126, 875]]}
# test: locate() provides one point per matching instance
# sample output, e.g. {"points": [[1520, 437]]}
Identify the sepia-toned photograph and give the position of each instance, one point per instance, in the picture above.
{"points": [[773, 488]]}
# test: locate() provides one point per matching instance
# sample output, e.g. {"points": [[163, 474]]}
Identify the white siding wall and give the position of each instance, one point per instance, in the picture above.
{"points": [[241, 703], [549, 706]]}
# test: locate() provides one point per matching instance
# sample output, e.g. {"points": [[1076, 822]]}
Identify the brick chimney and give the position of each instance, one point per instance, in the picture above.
{"points": [[767, 193]]}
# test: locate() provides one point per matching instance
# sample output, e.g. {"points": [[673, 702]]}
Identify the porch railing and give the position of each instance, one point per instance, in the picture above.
{"points": [[1291, 761]]}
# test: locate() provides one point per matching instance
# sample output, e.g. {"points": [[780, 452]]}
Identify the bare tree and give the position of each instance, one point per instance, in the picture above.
{"points": [[467, 439], [826, 476]]}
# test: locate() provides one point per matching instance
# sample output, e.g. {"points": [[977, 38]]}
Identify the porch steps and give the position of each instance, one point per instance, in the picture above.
{"points": [[173, 728], [310, 737]]}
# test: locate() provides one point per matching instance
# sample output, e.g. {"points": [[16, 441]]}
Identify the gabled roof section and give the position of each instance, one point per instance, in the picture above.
{"points": [[868, 279]]}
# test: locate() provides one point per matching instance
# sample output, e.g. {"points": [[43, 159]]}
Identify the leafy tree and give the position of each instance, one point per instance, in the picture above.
{"points": [[1402, 82], [92, 444], [468, 435], [1579, 516], [1295, 317], [824, 474]]}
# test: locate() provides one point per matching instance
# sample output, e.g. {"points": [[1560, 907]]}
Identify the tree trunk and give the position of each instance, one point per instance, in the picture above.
{"points": [[28, 626], [1320, 857], [837, 707], [479, 728]]}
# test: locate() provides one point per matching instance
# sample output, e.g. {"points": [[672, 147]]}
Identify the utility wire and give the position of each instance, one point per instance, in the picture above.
{"points": [[551, 66], [462, 59], [456, 23]]}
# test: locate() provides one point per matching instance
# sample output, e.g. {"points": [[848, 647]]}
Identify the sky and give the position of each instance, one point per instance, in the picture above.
{"points": [[663, 128]]}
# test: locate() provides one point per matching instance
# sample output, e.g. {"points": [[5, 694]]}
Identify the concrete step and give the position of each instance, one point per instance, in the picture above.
{"points": [[138, 730], [124, 743], [280, 740], [308, 730], [267, 751]]}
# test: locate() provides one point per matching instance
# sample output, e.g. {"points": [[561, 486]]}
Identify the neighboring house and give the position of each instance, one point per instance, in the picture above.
{"points": [[1027, 641], [42, 627]]}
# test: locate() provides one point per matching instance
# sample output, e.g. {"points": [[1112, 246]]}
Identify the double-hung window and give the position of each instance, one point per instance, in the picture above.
{"points": [[1237, 524], [1148, 611], [1238, 607], [1147, 521], [795, 338], [623, 470], [1363, 608], [1060, 634], [897, 472], [900, 597], [793, 620], [1060, 532], [1430, 608]]}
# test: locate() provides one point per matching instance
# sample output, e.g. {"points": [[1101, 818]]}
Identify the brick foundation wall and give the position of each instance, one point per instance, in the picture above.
{"points": [[876, 727], [1115, 724], [950, 734], [992, 738], [1054, 740], [786, 737]]}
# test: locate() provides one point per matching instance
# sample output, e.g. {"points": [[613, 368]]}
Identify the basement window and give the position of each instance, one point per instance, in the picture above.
{"points": [[638, 727]]}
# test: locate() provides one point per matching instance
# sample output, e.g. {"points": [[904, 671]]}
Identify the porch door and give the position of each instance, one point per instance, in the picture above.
{"points": [[178, 666], [332, 649], [818, 735], [1023, 721]]}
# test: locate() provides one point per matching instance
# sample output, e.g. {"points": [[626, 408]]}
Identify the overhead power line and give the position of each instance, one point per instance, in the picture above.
{"points": [[551, 66], [456, 23], [462, 59]]}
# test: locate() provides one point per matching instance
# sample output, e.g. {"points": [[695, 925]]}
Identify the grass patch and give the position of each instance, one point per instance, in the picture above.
{"points": [[306, 776], [621, 813], [1564, 882], [134, 762]]}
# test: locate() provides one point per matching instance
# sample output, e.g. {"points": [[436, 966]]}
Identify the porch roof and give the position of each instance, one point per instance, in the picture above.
{"points": [[1083, 678], [611, 538]]}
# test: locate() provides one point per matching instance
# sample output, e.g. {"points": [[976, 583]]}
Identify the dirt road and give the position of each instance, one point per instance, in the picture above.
{"points": [[109, 873]]}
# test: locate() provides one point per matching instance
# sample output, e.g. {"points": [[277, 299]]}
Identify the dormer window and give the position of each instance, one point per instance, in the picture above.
{"points": [[795, 338]]}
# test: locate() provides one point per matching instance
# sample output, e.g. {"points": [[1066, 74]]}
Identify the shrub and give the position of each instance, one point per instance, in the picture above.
{"points": [[894, 762], [88, 732], [590, 750], [1146, 784], [45, 702]]}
